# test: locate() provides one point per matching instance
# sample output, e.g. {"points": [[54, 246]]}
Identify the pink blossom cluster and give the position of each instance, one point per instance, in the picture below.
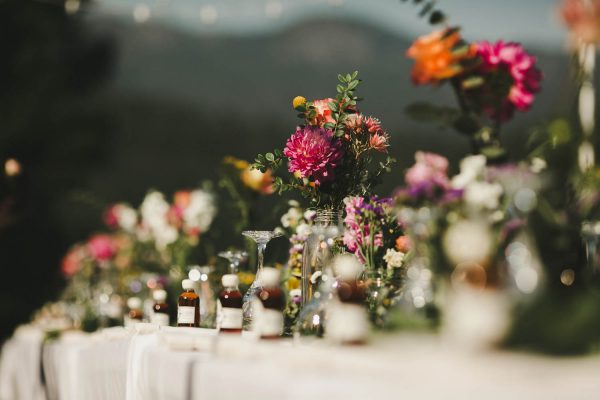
{"points": [[514, 74], [358, 233]]}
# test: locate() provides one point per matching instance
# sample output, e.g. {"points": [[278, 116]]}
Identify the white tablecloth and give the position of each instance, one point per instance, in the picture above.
{"points": [[121, 365], [20, 366]]}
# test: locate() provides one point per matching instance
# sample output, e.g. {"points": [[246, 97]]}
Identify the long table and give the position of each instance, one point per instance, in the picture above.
{"points": [[183, 363]]}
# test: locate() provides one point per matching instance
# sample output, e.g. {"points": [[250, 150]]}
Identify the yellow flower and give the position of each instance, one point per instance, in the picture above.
{"points": [[261, 182], [299, 103], [236, 162]]}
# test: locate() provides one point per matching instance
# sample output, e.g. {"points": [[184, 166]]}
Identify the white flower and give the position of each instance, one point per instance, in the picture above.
{"points": [[165, 236], [201, 211], [295, 293], [126, 217], [303, 230], [538, 165], [291, 218], [471, 168], [393, 258], [154, 210], [483, 195], [468, 241], [309, 215]]}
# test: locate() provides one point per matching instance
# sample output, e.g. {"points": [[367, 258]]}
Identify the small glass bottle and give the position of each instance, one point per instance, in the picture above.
{"points": [[347, 318], [270, 302], [229, 308], [188, 306], [135, 314], [160, 309]]}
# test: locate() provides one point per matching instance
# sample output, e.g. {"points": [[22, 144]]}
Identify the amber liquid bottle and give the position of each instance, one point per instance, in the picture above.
{"points": [[229, 313], [135, 314], [270, 317], [347, 319], [188, 306], [160, 310]]}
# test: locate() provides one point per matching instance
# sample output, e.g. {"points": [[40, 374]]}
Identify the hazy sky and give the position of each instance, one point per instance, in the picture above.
{"points": [[533, 22]]}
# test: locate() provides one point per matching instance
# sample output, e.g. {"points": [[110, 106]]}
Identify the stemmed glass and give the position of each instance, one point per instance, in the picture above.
{"points": [[261, 238], [235, 257]]}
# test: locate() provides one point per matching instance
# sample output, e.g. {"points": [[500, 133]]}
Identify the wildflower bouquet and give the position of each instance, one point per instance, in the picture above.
{"points": [[95, 271], [331, 154], [468, 219], [376, 238], [490, 80]]}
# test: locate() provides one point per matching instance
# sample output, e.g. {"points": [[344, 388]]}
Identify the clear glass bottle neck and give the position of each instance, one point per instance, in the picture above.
{"points": [[328, 216]]}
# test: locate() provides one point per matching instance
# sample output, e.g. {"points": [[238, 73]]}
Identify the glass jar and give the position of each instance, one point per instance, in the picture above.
{"points": [[319, 249], [590, 233]]}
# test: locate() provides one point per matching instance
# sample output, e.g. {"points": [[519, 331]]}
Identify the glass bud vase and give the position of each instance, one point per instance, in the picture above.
{"points": [[590, 233], [318, 251]]}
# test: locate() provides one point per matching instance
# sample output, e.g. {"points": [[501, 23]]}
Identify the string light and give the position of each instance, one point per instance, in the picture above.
{"points": [[72, 6], [208, 14], [141, 13], [274, 9], [12, 167]]}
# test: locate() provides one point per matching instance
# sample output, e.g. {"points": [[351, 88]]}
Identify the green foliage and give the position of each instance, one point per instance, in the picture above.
{"points": [[429, 10]]}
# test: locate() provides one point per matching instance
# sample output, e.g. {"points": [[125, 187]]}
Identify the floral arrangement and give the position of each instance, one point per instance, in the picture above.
{"points": [[377, 240], [472, 215], [103, 261], [330, 155], [166, 233], [490, 80]]}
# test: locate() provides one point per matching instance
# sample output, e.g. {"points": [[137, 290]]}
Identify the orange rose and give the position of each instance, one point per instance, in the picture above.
{"points": [[403, 244], [323, 112], [182, 198], [436, 58]]}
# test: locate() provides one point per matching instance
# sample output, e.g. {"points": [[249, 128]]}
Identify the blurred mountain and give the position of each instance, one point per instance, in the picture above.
{"points": [[183, 101]]}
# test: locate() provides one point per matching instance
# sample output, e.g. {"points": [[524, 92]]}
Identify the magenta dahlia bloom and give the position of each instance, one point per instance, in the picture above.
{"points": [[511, 74], [313, 152]]}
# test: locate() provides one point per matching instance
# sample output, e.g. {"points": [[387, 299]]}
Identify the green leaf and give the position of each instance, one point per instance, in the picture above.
{"points": [[341, 78], [333, 106], [426, 8], [493, 152], [353, 85], [466, 124], [270, 157], [437, 17], [472, 82]]}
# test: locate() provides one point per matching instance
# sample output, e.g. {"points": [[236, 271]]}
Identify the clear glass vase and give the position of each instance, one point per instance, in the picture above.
{"points": [[318, 283], [590, 233], [383, 292], [318, 251]]}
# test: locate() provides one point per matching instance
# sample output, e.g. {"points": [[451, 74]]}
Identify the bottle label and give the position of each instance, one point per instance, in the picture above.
{"points": [[347, 322], [161, 319], [229, 318], [267, 322], [186, 315]]}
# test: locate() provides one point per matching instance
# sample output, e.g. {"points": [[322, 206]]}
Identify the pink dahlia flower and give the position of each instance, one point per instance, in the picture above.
{"points": [[512, 73], [101, 247], [314, 153]]}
